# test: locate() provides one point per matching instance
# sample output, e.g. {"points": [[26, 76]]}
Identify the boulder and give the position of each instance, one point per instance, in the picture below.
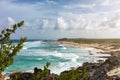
{"points": [[101, 72], [21, 76], [2, 77]]}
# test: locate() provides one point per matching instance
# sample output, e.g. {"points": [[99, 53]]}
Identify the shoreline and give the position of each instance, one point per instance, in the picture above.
{"points": [[77, 45], [95, 49], [98, 49], [92, 56], [102, 54], [105, 49]]}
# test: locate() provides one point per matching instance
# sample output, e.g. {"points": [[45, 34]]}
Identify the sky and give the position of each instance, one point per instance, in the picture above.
{"points": [[54, 19]]}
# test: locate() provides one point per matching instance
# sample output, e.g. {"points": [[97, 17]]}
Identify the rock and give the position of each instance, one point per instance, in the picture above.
{"points": [[28, 76], [100, 61], [115, 77], [65, 72], [21, 76], [90, 53], [36, 70], [90, 67], [51, 77], [101, 71], [2, 77]]}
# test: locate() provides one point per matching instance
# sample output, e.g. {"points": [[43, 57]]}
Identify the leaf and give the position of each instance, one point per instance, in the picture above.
{"points": [[47, 64], [3, 31], [20, 24]]}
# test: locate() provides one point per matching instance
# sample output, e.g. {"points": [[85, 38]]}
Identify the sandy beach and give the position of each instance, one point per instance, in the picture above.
{"points": [[97, 47], [113, 72]]}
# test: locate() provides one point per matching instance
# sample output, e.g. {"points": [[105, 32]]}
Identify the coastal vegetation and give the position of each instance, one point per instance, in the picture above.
{"points": [[103, 44], [112, 42], [7, 49], [45, 74], [74, 74]]}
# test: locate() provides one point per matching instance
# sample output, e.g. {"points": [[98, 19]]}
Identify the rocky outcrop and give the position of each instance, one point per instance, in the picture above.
{"points": [[2, 77], [101, 72], [21, 76], [96, 71], [30, 76]]}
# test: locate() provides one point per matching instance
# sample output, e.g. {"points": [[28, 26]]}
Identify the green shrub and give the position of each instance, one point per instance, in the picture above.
{"points": [[44, 73], [17, 75], [7, 49], [74, 74]]}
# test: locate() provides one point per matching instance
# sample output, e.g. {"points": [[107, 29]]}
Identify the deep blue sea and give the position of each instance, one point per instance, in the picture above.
{"points": [[36, 53]]}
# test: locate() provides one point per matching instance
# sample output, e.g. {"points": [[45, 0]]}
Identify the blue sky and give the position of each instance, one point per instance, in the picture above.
{"points": [[53, 19]]}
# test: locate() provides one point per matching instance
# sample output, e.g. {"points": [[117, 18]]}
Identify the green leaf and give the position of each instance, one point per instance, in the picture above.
{"points": [[3, 31], [20, 24]]}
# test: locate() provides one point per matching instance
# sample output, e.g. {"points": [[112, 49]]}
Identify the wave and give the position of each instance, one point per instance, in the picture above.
{"points": [[60, 56], [73, 57], [63, 66], [32, 44], [63, 47], [67, 56]]}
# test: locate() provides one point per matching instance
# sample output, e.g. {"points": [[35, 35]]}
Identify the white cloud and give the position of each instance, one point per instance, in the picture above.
{"points": [[51, 2], [84, 6], [86, 22], [111, 3], [11, 21], [45, 23], [93, 21], [61, 24], [106, 3], [88, 6]]}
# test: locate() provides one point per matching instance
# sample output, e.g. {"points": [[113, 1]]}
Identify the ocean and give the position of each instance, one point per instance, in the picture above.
{"points": [[36, 53]]}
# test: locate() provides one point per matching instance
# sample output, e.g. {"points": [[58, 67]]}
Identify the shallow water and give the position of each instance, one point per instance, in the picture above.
{"points": [[37, 53]]}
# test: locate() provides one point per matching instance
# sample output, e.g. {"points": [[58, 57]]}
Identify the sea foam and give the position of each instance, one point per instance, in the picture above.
{"points": [[37, 53]]}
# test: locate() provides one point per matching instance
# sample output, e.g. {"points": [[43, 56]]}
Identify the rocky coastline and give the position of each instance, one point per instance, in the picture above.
{"points": [[107, 70], [96, 71]]}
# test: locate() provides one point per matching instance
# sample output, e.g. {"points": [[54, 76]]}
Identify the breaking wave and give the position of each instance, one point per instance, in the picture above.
{"points": [[37, 53]]}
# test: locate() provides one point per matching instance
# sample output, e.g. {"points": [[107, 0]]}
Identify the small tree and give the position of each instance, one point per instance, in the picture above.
{"points": [[7, 49]]}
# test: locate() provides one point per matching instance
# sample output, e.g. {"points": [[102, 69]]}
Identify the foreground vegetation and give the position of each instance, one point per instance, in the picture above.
{"points": [[7, 49], [45, 74]]}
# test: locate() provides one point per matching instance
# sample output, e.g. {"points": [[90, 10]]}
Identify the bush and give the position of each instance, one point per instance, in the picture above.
{"points": [[74, 74], [7, 49], [43, 73]]}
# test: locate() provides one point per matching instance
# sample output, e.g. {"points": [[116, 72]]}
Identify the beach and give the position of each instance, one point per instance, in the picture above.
{"points": [[105, 48], [95, 46]]}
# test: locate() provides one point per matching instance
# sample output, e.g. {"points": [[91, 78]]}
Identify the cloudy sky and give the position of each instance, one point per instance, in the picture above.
{"points": [[53, 19]]}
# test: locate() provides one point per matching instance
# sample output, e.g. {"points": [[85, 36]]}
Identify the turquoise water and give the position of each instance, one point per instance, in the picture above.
{"points": [[37, 53]]}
